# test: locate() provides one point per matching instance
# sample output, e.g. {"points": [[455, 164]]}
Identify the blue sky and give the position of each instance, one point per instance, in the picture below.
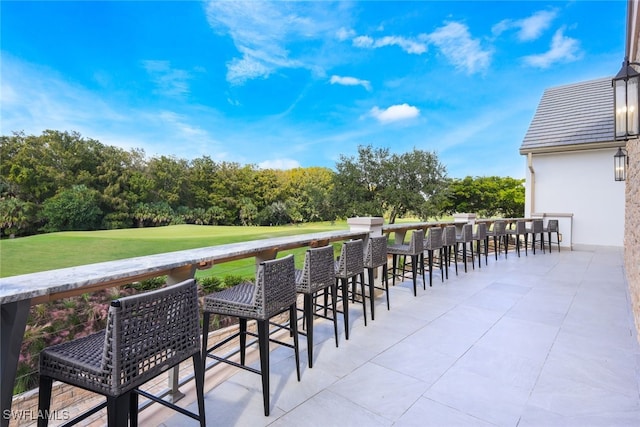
{"points": [[287, 84]]}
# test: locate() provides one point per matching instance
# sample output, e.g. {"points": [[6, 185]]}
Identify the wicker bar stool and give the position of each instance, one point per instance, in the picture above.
{"points": [[146, 334], [350, 266], [376, 256], [482, 241], [499, 233], [466, 237], [449, 244], [552, 227], [432, 243], [537, 227], [273, 293], [414, 250], [317, 274], [520, 230]]}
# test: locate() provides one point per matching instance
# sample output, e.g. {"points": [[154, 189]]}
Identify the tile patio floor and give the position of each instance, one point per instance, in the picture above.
{"points": [[542, 340]]}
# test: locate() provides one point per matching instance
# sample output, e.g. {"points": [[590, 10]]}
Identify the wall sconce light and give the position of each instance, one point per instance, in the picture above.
{"points": [[626, 113], [626, 93], [620, 162]]}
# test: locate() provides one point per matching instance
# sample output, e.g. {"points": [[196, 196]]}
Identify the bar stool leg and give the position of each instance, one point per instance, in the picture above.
{"points": [[199, 377], [308, 320], [243, 339], [294, 330], [334, 296], [345, 306], [371, 293], [263, 343], [364, 300]]}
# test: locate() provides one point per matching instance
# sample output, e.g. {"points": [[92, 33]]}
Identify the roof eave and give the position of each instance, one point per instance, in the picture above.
{"points": [[572, 147]]}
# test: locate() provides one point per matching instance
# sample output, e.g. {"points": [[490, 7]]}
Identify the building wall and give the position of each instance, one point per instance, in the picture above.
{"points": [[580, 183], [632, 211], [632, 228]]}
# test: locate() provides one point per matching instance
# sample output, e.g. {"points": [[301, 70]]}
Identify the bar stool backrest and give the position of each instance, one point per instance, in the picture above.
{"points": [[449, 235], [433, 239], [318, 270], [482, 231], [521, 227], [149, 332], [537, 226], [467, 233], [376, 252], [416, 244], [499, 227], [552, 225], [351, 261], [275, 289]]}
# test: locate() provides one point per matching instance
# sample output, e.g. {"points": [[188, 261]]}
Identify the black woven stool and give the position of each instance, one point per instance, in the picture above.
{"points": [[273, 293], [146, 335]]}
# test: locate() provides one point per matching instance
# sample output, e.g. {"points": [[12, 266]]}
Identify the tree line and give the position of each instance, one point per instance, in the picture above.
{"points": [[60, 181]]}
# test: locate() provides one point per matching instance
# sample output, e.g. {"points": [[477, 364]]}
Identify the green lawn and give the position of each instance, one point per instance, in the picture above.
{"points": [[58, 250]]}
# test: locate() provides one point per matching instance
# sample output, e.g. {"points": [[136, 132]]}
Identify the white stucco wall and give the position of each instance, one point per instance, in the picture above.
{"points": [[580, 183]]}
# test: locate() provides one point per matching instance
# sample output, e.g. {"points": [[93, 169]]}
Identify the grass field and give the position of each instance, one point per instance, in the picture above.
{"points": [[67, 249]]}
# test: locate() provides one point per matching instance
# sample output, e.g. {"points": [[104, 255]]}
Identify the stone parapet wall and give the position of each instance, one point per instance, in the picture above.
{"points": [[632, 228]]}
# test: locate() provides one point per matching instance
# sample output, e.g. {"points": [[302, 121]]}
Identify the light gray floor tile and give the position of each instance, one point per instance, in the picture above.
{"points": [[528, 339], [611, 374], [327, 409], [479, 397], [416, 358], [501, 365], [380, 390], [536, 417], [426, 412], [577, 399]]}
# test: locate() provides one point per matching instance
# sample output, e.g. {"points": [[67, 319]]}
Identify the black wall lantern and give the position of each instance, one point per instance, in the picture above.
{"points": [[626, 113], [626, 93], [620, 160]]}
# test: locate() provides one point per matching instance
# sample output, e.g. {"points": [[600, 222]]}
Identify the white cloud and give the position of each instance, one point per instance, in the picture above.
{"points": [[169, 81], [363, 41], [530, 28], [247, 68], [264, 31], [350, 81], [282, 164], [455, 42], [395, 113], [410, 46], [344, 34], [563, 49]]}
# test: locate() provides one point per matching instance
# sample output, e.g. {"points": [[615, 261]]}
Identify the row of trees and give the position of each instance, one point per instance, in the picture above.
{"points": [[61, 181]]}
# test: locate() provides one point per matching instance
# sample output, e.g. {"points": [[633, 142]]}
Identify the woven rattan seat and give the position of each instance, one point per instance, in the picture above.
{"points": [[482, 242], [414, 250], [146, 334], [499, 233], [466, 238], [519, 230], [432, 243], [317, 274], [552, 227], [350, 266], [449, 244], [375, 257], [273, 293], [537, 228]]}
